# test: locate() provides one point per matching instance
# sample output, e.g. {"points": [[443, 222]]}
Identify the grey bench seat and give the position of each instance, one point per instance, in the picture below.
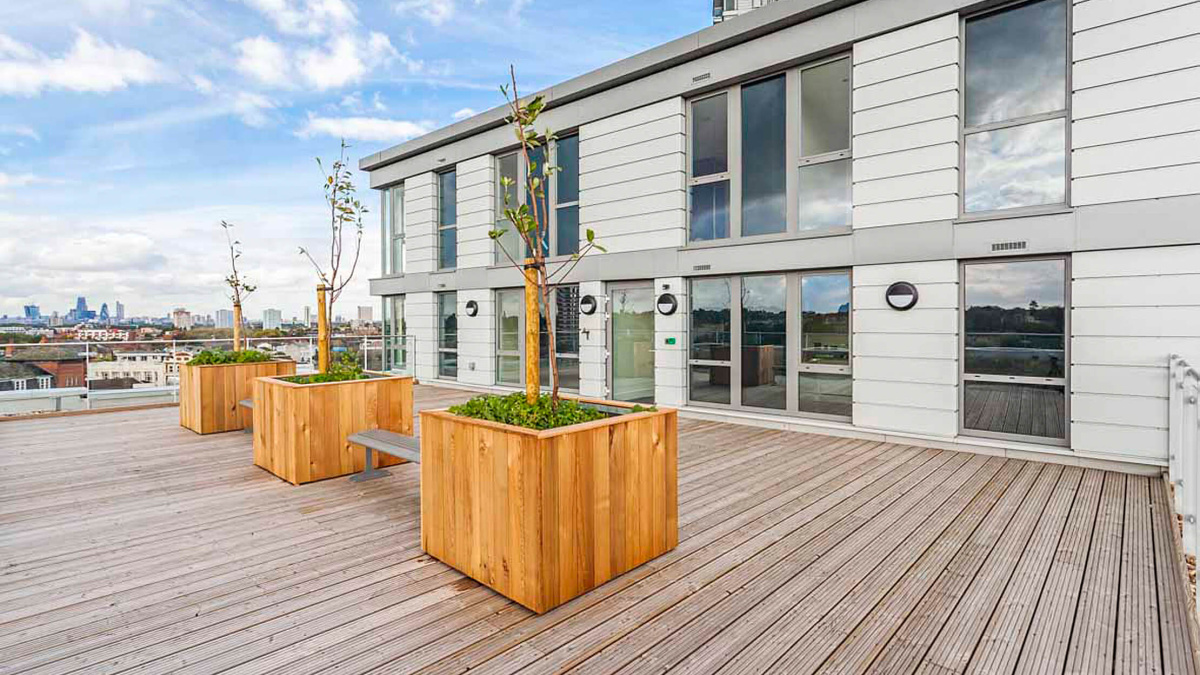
{"points": [[248, 404], [388, 443]]}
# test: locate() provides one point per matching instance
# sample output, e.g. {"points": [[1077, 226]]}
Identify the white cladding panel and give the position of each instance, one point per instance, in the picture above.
{"points": [[420, 316], [477, 338], [593, 340], [420, 224], [1130, 310], [476, 211], [632, 178], [1136, 129], [906, 363], [670, 360]]}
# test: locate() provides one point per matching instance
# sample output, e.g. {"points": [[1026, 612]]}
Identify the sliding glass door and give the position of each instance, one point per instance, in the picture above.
{"points": [[1015, 349], [632, 333]]}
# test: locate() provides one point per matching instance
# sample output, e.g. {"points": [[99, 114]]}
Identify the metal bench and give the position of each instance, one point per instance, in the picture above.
{"points": [[388, 443], [248, 404]]}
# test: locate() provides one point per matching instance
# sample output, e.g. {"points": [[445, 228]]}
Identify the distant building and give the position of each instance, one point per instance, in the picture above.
{"points": [[181, 318], [81, 308], [33, 312], [102, 334], [120, 312], [64, 364], [104, 313], [272, 319], [365, 314], [224, 318], [147, 369], [307, 315], [17, 376]]}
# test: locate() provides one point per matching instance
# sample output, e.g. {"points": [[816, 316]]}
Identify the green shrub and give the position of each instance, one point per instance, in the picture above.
{"points": [[514, 410], [342, 371], [218, 357]]}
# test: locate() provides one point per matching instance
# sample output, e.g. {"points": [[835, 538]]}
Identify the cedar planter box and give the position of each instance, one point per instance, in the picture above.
{"points": [[544, 516], [209, 395], [300, 430]]}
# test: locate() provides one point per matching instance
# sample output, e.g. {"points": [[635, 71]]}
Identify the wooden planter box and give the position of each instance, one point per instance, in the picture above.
{"points": [[209, 395], [542, 517], [300, 430]]}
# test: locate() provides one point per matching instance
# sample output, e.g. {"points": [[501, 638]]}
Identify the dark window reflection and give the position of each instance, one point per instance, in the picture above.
{"points": [[710, 211], [539, 205], [447, 198], [1016, 63], [711, 320], [447, 248], [764, 161], [710, 384], [1015, 318], [764, 341], [710, 136], [567, 177]]}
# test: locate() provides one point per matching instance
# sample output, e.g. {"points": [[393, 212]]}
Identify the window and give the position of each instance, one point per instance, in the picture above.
{"points": [[393, 230], [1015, 349], [510, 337], [764, 341], [447, 220], [709, 360], [764, 160], [45, 382], [394, 334], [709, 181], [825, 380], [560, 206], [19, 385], [1015, 108], [447, 335], [510, 313], [825, 164]]}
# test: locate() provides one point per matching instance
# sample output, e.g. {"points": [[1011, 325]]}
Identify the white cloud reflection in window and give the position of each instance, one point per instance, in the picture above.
{"points": [[1016, 166]]}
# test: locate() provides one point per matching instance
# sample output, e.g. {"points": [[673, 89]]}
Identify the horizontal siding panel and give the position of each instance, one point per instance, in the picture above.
{"points": [[913, 321], [931, 396], [642, 241], [916, 60], [1146, 352], [908, 87], [1140, 62], [630, 225], [926, 371], [906, 162], [1170, 181], [631, 153], [905, 39], [922, 134], [908, 112], [912, 420], [1133, 411], [1143, 92], [1134, 262], [938, 271], [912, 211], [479, 190], [917, 346], [1120, 380], [622, 174], [1136, 321], [633, 206], [1161, 120], [667, 182], [640, 134], [1169, 290], [933, 183], [1136, 155], [1095, 13], [931, 296], [1143, 30], [1111, 439], [632, 118]]}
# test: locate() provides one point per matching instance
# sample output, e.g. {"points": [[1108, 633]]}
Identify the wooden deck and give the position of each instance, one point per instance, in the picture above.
{"points": [[129, 545]]}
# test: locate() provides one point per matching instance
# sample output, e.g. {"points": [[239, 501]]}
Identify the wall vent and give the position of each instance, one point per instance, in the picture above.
{"points": [[701, 268], [701, 78], [1010, 246]]}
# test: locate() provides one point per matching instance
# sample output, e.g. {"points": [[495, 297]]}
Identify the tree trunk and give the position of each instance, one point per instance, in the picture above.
{"points": [[237, 326], [322, 332], [533, 377]]}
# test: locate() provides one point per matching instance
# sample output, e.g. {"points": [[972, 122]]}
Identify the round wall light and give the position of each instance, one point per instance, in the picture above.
{"points": [[667, 304], [901, 296], [587, 305], [472, 308]]}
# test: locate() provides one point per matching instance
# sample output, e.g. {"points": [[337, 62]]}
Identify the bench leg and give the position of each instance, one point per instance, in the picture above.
{"points": [[369, 471]]}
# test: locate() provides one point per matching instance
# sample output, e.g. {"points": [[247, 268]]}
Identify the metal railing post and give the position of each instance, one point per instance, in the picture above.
{"points": [[87, 368]]}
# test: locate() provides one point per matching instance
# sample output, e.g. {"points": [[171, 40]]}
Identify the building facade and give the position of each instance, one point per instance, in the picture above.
{"points": [[965, 223], [272, 319]]}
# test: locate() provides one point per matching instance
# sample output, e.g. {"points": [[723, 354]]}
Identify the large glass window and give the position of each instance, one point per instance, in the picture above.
{"points": [[710, 356], [709, 181], [447, 335], [510, 337], [764, 157], [764, 341], [1014, 348], [448, 220], [566, 207], [510, 310], [394, 334], [559, 205], [825, 382], [1015, 109], [507, 197], [566, 335], [825, 165]]}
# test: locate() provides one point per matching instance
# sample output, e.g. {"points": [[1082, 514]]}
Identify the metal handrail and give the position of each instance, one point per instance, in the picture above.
{"points": [[1183, 434]]}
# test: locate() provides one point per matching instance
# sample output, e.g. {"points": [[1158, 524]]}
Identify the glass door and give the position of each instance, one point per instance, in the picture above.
{"points": [[631, 366]]}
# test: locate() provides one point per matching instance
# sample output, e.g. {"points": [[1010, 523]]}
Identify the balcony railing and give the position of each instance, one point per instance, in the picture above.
{"points": [[1183, 431]]}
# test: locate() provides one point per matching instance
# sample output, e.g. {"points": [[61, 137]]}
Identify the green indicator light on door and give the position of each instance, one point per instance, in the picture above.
{"points": [[670, 341]]}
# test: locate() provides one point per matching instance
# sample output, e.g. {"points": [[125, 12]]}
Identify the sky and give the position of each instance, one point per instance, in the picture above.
{"points": [[129, 129]]}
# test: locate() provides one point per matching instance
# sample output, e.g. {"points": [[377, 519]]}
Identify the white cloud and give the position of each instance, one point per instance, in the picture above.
{"points": [[436, 12], [377, 103], [264, 60], [364, 128], [91, 65], [19, 130], [203, 84], [342, 61], [307, 17], [464, 114], [9, 180]]}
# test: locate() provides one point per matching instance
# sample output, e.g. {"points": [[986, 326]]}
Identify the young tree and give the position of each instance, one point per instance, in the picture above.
{"points": [[239, 289], [345, 212], [532, 224]]}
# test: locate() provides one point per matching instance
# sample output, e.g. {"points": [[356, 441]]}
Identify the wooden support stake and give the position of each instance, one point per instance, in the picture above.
{"points": [[533, 380], [237, 326], [322, 331]]}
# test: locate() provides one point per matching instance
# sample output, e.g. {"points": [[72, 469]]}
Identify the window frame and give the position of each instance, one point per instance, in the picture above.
{"points": [[520, 193], [793, 163], [792, 341], [521, 345], [438, 216], [964, 377], [393, 308], [1065, 114], [441, 327], [391, 215]]}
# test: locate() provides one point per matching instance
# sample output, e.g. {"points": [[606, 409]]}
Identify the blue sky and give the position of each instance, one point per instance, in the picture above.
{"points": [[130, 128]]}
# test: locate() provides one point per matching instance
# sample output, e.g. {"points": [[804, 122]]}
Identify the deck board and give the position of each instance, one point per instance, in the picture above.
{"points": [[798, 553]]}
